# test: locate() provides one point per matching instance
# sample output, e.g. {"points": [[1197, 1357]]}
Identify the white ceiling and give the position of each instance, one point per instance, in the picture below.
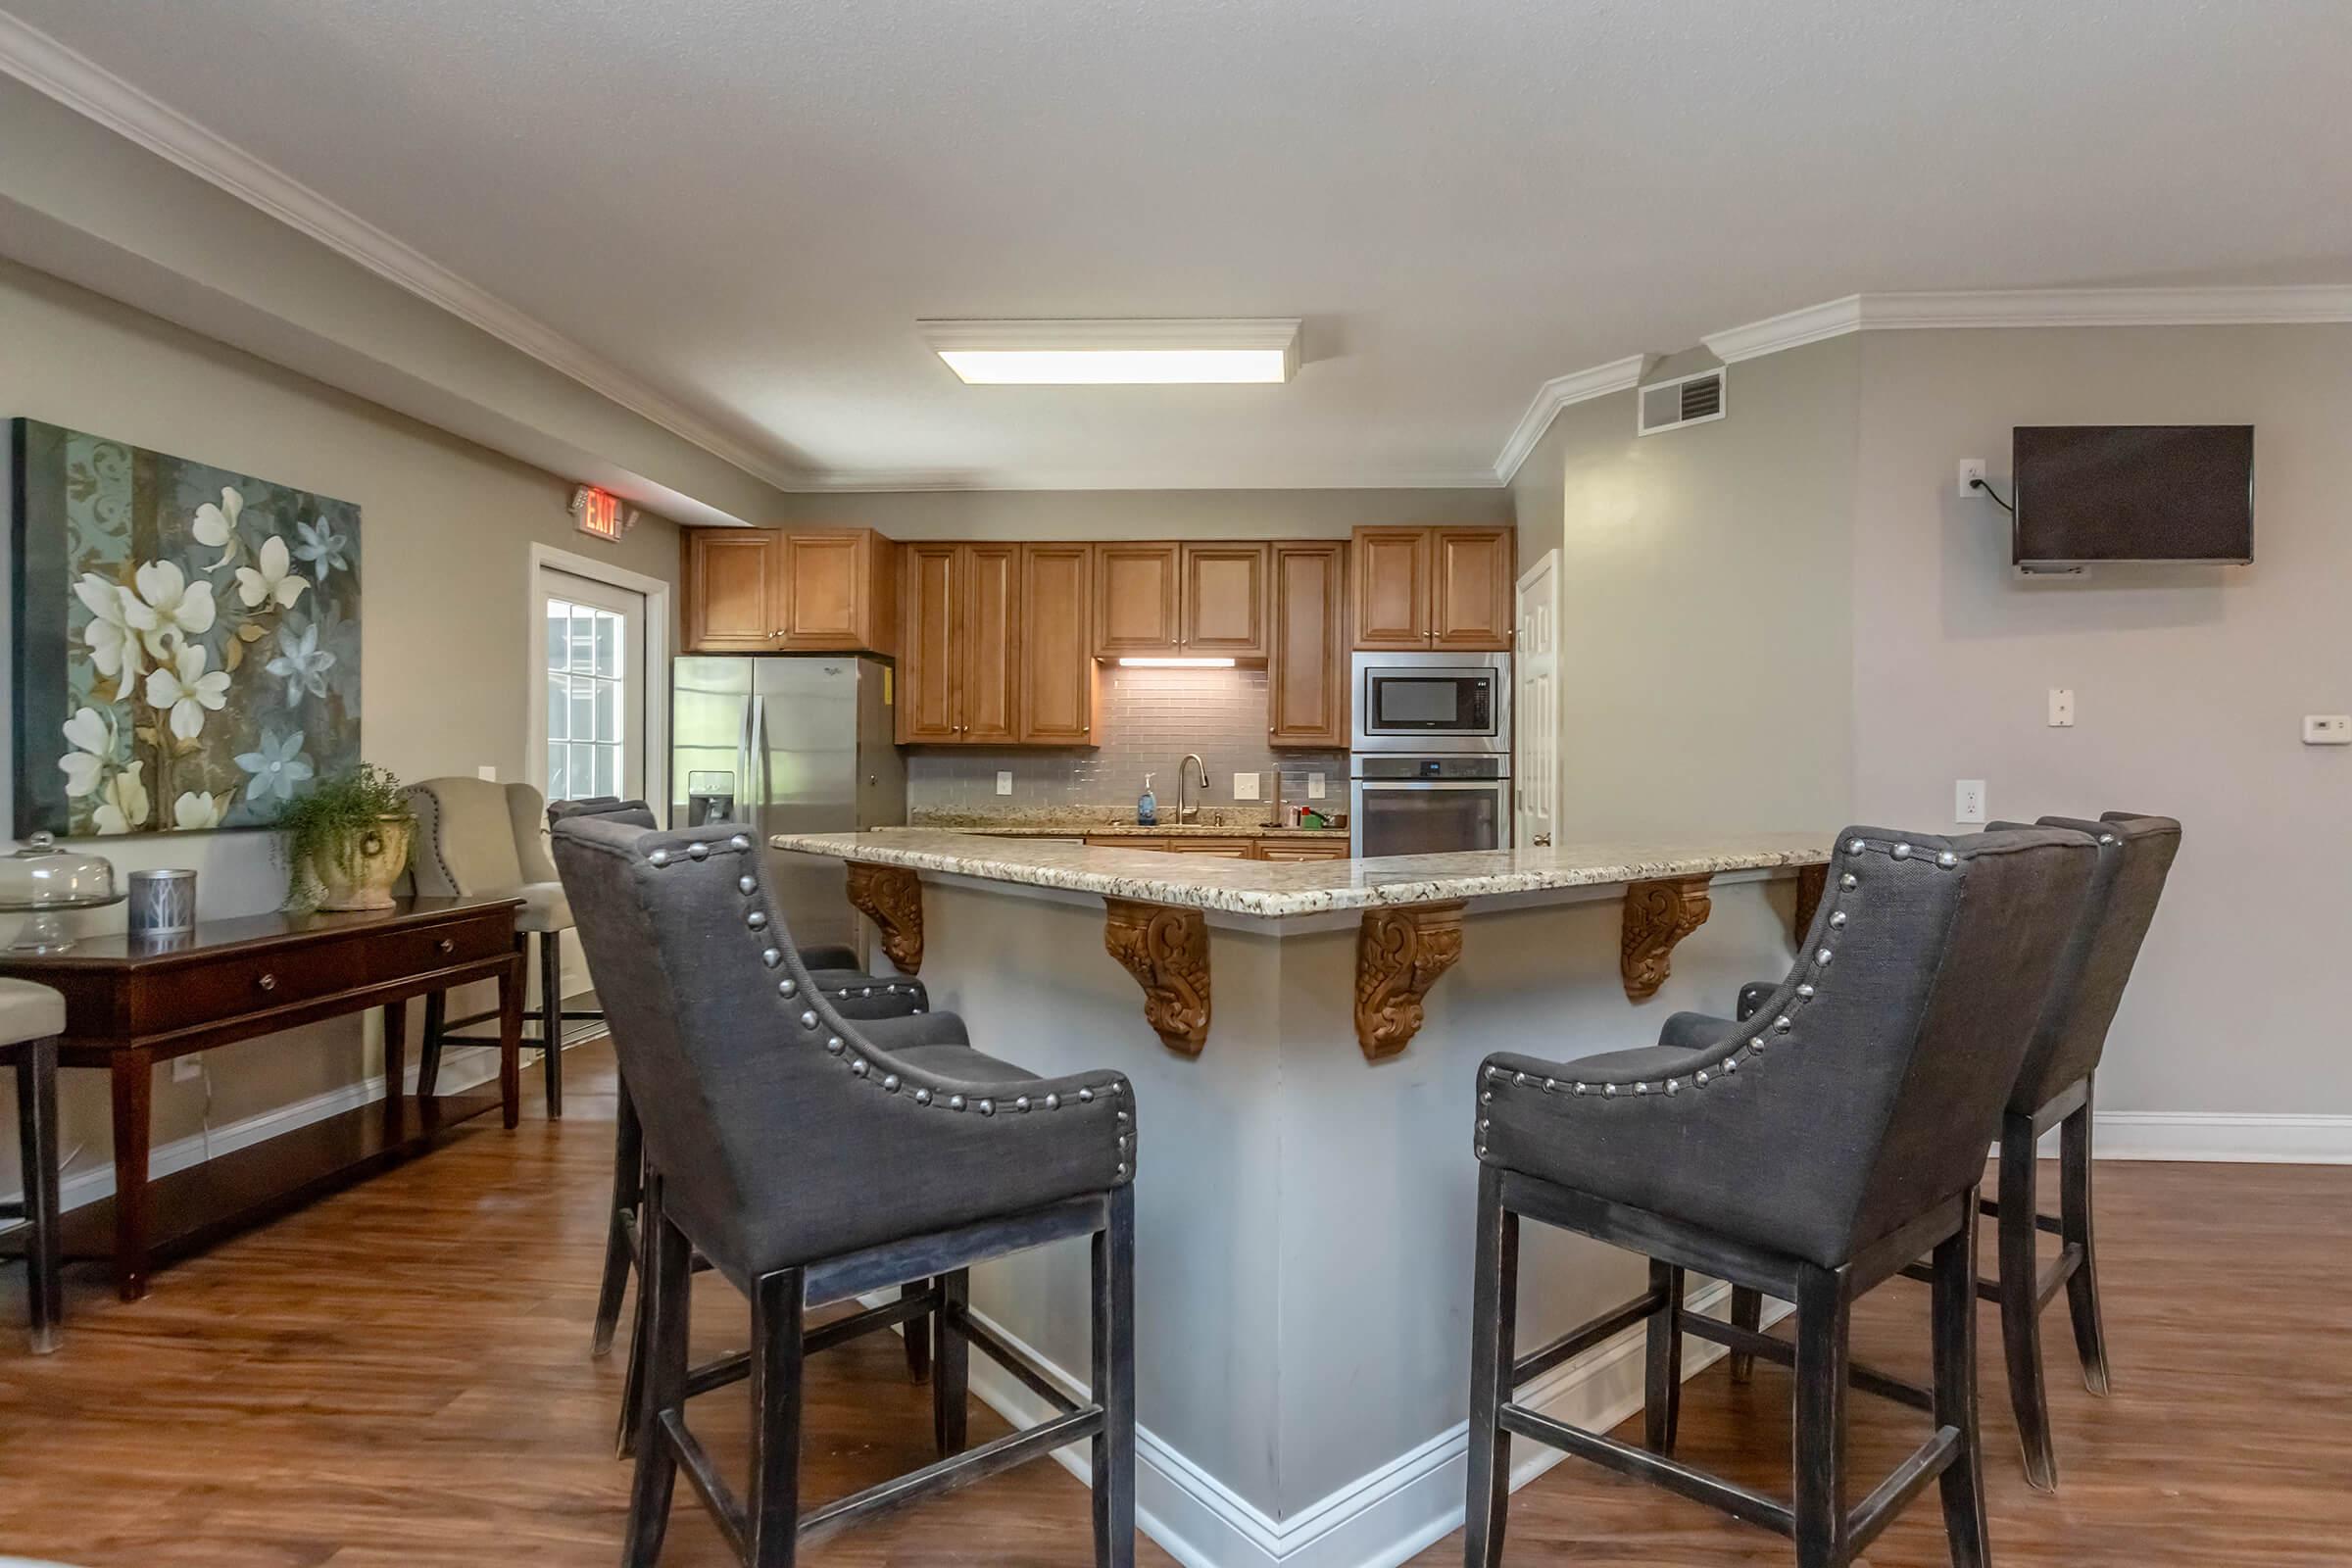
{"points": [[747, 204]]}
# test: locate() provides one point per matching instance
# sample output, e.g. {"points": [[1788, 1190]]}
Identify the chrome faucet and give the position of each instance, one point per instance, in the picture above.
{"points": [[1190, 813]]}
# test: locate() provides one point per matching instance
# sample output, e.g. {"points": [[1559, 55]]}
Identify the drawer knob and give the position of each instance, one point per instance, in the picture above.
{"points": [[268, 982], [445, 946]]}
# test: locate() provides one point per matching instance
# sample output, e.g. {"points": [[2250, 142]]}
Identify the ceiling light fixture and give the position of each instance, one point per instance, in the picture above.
{"points": [[1132, 352], [1176, 663]]}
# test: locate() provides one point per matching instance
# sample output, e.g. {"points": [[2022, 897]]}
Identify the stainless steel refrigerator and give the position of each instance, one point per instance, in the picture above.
{"points": [[788, 744]]}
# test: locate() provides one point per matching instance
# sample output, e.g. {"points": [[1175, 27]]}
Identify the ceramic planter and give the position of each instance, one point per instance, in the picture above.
{"points": [[358, 870]]}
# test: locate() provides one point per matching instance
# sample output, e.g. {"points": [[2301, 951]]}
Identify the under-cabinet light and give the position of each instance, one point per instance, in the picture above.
{"points": [[1176, 663]]}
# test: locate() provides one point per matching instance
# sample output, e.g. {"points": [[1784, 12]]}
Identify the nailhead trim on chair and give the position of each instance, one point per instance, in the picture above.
{"points": [[1782, 1025], [755, 920]]}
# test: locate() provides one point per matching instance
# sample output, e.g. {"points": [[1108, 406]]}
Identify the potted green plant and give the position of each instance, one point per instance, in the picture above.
{"points": [[347, 841]]}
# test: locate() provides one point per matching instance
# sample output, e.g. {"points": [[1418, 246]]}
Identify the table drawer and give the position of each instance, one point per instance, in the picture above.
{"points": [[397, 953], [169, 1001]]}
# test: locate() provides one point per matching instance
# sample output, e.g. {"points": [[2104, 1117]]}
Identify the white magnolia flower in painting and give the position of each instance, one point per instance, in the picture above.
{"points": [[91, 734], [121, 801], [272, 578], [216, 527], [169, 608], [194, 811], [112, 635], [184, 691]]}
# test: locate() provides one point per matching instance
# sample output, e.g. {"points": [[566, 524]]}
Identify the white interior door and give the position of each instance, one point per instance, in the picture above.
{"points": [[592, 738], [1536, 705]]}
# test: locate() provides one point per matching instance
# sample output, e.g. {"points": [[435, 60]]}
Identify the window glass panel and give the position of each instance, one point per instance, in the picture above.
{"points": [[583, 637], [558, 708], [607, 710], [558, 619], [559, 784], [608, 770], [582, 774], [583, 710], [607, 644]]}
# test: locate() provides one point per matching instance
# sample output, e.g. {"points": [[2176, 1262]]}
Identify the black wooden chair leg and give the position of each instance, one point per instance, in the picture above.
{"points": [[773, 1510], [551, 1019], [1747, 1312], [1824, 1313], [917, 1333], [1114, 1374], [1662, 1402], [1493, 1333], [1954, 1312], [2021, 1312], [428, 1054], [633, 1376], [2075, 1227], [628, 1190], [668, 1277], [951, 1377], [36, 1126]]}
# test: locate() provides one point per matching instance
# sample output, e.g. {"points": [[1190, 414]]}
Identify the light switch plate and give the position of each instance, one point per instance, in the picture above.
{"points": [[1314, 786], [1968, 800], [488, 775], [2327, 729], [186, 1068], [1003, 781], [1245, 786], [2062, 708]]}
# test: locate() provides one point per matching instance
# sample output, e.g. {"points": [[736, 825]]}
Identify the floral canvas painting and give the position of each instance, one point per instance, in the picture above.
{"points": [[187, 639]]}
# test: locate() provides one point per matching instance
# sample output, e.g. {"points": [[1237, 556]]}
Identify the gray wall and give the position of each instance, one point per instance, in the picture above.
{"points": [[1705, 652], [2190, 682]]}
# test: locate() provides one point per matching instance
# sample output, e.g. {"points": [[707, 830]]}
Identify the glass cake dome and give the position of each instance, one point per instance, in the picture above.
{"points": [[44, 877]]}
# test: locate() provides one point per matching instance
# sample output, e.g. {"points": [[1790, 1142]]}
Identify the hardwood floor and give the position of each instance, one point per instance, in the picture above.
{"points": [[399, 1376]]}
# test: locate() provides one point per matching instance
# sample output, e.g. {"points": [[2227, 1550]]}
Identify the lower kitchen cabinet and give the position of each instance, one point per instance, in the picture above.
{"points": [[1232, 849]]}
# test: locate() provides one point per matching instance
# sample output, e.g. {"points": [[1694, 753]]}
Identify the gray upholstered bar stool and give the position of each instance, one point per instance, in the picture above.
{"points": [[475, 837], [1811, 1155], [2054, 1089], [31, 1017], [834, 971], [812, 1162]]}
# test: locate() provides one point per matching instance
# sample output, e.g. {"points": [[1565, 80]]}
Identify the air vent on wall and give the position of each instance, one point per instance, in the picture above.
{"points": [[1686, 399]]}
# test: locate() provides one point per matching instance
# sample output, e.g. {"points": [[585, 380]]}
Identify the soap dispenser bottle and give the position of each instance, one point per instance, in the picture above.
{"points": [[1147, 805]]}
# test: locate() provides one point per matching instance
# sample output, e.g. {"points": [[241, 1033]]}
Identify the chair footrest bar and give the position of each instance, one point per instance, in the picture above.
{"points": [[2053, 1279], [720, 1371], [1576, 1342], [1878, 1510], [726, 1511], [957, 1470], [1738, 1502], [1749, 1341], [1005, 1355]]}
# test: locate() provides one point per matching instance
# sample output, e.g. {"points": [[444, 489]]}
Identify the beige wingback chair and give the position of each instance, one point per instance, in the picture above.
{"points": [[476, 838]]}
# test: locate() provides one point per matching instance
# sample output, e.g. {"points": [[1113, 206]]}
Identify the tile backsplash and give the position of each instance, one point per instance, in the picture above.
{"points": [[1149, 719]]}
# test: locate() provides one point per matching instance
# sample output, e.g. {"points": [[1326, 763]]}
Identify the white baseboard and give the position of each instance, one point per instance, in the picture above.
{"points": [[2247, 1139], [1377, 1520]]}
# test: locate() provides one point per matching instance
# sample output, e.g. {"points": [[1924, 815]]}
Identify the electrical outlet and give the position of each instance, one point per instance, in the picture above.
{"points": [[2062, 708], [2327, 729], [488, 775], [1968, 800], [1972, 472], [1003, 781], [1245, 786], [186, 1069], [1314, 786]]}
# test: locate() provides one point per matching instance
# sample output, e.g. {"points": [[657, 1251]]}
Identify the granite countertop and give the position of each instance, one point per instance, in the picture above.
{"points": [[1278, 889], [1217, 822]]}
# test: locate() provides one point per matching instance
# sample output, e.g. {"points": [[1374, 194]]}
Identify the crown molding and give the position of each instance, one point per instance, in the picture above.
{"points": [[1578, 386], [1793, 329], [82, 85]]}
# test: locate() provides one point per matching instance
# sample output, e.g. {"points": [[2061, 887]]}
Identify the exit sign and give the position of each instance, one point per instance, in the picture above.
{"points": [[600, 513]]}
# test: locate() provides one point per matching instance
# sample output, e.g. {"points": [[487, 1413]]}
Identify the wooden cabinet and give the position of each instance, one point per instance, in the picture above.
{"points": [[763, 590], [1058, 675], [1307, 661], [1224, 600], [1301, 850], [1237, 848], [1222, 849], [959, 645], [1135, 597], [1434, 588]]}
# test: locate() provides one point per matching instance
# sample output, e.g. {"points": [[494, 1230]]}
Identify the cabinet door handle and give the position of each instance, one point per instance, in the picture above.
{"points": [[268, 982], [445, 946]]}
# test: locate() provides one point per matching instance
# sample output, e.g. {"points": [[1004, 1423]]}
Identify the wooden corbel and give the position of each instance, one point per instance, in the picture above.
{"points": [[1166, 949], [1657, 916], [1399, 953], [1810, 881], [892, 896]]}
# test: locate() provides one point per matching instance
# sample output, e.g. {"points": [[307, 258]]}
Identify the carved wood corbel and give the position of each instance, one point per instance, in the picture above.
{"points": [[892, 896], [1399, 953], [1810, 881], [1166, 949], [1657, 916]]}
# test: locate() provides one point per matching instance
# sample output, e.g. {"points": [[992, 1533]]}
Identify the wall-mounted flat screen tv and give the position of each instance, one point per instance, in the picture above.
{"points": [[2133, 492]]}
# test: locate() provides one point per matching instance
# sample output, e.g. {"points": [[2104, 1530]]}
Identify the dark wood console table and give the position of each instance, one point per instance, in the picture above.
{"points": [[133, 1002]]}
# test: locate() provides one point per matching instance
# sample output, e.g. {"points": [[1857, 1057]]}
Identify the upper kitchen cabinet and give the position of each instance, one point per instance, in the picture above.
{"points": [[959, 645], [1306, 665], [1434, 588], [1058, 676], [1137, 592], [1224, 600], [765, 590]]}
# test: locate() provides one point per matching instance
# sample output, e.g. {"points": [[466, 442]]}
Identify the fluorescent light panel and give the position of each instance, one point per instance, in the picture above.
{"points": [[1117, 353], [1176, 663]]}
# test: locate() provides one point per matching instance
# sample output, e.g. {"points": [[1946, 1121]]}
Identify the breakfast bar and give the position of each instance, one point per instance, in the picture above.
{"points": [[1302, 1039]]}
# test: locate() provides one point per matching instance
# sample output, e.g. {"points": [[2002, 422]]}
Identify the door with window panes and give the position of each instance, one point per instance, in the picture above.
{"points": [[596, 688]]}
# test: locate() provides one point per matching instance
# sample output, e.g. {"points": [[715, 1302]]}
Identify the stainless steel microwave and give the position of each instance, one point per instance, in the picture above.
{"points": [[1432, 703]]}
